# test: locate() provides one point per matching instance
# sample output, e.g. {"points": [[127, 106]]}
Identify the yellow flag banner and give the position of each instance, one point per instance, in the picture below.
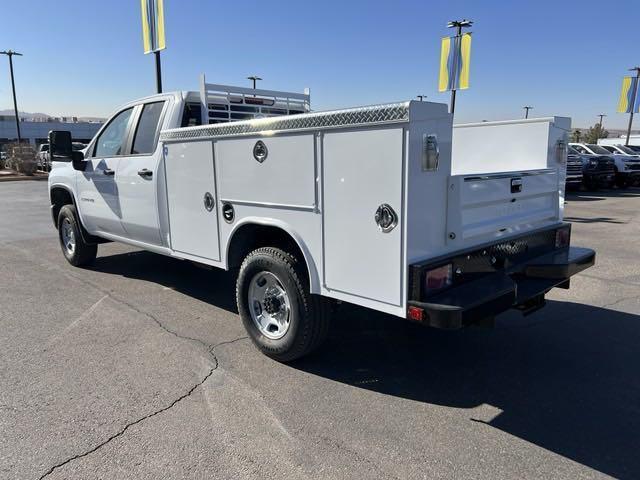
{"points": [[152, 25], [629, 96], [455, 59]]}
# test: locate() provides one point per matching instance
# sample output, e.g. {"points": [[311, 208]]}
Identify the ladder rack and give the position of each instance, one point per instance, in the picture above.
{"points": [[225, 103]]}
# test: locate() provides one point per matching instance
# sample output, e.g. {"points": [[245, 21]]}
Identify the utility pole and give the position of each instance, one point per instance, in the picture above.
{"points": [[458, 25], [254, 79], [601, 115], [526, 111], [10, 54], [421, 97], [634, 94]]}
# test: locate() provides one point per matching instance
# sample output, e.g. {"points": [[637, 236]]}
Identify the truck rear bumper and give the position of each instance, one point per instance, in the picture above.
{"points": [[522, 286]]}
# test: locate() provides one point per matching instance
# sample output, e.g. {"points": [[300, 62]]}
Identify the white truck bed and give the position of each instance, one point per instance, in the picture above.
{"points": [[326, 174]]}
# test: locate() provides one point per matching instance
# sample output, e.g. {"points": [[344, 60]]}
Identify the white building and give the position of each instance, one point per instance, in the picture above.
{"points": [[36, 132]]}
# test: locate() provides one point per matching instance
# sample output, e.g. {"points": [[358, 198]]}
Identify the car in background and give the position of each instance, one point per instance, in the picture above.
{"points": [[42, 155], [627, 168], [621, 150], [574, 171], [635, 148], [597, 170]]}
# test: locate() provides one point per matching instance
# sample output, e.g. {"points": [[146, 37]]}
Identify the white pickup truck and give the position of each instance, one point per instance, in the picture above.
{"points": [[361, 205]]}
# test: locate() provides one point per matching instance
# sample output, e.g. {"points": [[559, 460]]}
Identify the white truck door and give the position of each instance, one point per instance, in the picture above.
{"points": [[137, 176], [192, 199], [98, 198]]}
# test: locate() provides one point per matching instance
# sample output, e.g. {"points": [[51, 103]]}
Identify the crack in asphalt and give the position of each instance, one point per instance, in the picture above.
{"points": [[210, 350], [121, 432]]}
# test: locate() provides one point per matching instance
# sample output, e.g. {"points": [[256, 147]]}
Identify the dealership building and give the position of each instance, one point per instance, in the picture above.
{"points": [[36, 131]]}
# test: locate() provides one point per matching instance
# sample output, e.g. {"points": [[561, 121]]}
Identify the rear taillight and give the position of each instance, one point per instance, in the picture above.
{"points": [[563, 237], [415, 313], [438, 278]]}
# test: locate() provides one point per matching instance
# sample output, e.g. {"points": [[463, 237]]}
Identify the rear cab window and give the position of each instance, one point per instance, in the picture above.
{"points": [[146, 134]]}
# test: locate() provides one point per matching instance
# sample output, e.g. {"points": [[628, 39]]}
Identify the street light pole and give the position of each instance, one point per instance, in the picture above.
{"points": [[458, 25], [526, 111], [10, 54], [254, 79], [633, 101], [158, 72]]}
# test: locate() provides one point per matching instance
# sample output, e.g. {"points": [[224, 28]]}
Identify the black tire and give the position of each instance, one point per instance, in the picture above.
{"points": [[82, 253], [309, 315]]}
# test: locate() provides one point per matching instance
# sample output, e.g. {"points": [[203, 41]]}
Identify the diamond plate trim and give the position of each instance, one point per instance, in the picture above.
{"points": [[375, 114]]}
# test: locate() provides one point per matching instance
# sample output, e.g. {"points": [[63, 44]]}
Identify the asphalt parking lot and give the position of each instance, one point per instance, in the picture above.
{"points": [[138, 367]]}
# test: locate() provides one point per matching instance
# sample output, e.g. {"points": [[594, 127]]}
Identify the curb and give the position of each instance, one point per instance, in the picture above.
{"points": [[23, 178]]}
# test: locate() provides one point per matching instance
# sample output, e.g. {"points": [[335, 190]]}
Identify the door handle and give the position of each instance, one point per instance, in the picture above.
{"points": [[108, 171], [145, 173]]}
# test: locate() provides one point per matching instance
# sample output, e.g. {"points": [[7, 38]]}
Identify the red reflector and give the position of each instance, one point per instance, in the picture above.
{"points": [[563, 237], [415, 313]]}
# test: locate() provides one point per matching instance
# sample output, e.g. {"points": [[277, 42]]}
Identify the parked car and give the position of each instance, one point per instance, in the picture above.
{"points": [[635, 148], [627, 168], [356, 205], [597, 170], [575, 176], [621, 150], [42, 156]]}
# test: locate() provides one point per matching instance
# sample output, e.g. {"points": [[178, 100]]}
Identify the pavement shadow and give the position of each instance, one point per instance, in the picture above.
{"points": [[599, 195], [593, 220], [213, 286], [565, 378]]}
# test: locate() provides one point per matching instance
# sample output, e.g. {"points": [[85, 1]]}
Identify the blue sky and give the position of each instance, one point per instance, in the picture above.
{"points": [[84, 57]]}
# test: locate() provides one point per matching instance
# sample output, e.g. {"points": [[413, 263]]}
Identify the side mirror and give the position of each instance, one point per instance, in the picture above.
{"points": [[61, 149], [60, 145]]}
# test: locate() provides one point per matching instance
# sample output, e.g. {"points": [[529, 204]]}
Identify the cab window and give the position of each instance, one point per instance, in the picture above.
{"points": [[191, 116], [145, 138], [111, 141]]}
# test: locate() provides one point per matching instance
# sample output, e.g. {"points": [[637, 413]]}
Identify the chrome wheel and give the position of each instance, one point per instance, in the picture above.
{"points": [[269, 305], [68, 237]]}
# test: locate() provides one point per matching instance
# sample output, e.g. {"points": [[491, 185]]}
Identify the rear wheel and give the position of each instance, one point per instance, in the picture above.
{"points": [[75, 249], [282, 318]]}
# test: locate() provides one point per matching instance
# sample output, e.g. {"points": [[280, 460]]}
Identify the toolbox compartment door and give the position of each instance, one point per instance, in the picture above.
{"points": [[487, 207], [361, 171], [192, 200]]}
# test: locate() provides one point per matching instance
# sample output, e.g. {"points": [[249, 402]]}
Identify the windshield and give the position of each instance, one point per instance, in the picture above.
{"points": [[573, 151], [598, 149], [627, 150]]}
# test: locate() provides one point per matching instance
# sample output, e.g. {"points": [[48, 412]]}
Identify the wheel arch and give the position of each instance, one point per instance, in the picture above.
{"points": [[255, 232], [60, 195]]}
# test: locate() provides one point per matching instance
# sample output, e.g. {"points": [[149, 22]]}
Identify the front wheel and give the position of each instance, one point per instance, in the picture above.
{"points": [[282, 318], [77, 252]]}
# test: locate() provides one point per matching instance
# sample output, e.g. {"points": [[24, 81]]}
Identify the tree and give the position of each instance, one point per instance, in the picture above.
{"points": [[594, 133]]}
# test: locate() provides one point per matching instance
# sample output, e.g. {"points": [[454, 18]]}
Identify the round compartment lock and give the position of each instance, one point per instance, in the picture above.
{"points": [[209, 202], [227, 212], [260, 151], [386, 218]]}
